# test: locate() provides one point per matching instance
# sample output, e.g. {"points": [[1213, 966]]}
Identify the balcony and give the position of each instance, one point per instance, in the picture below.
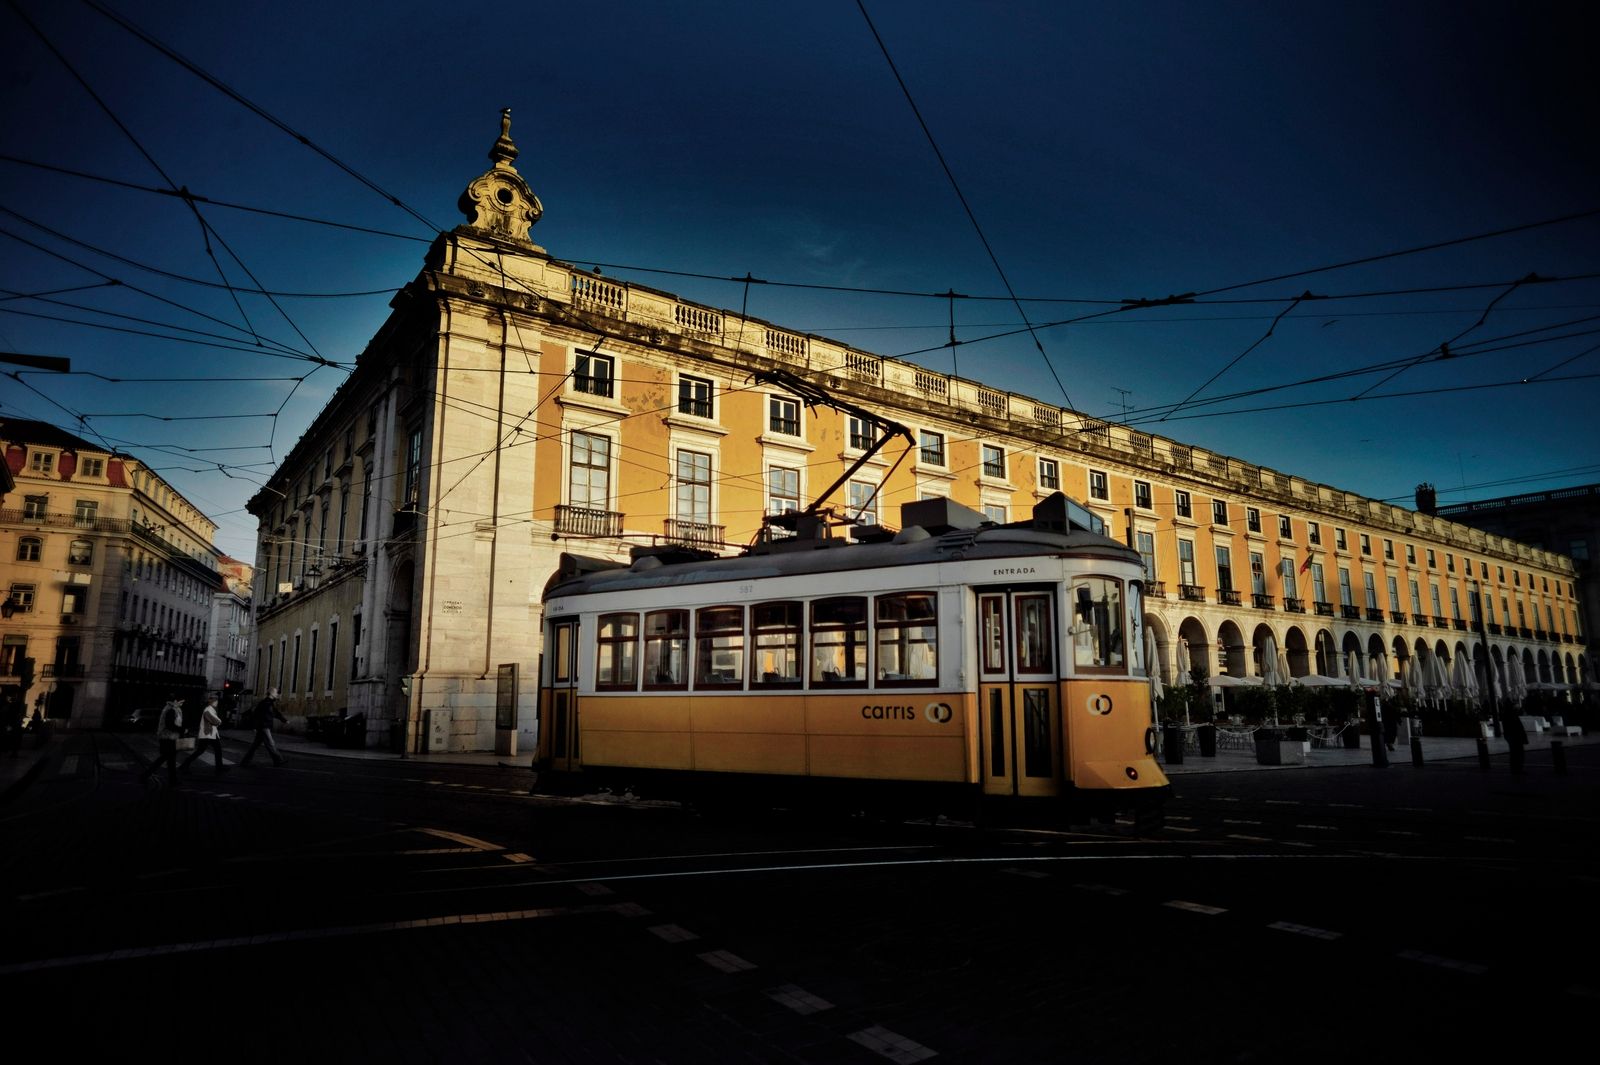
{"points": [[692, 533], [1293, 605], [1263, 601], [1494, 629], [1397, 616], [1228, 597], [1349, 612], [1526, 634], [1374, 615], [1441, 623], [405, 524], [592, 385], [1193, 593], [1460, 624], [1419, 619], [62, 669], [582, 521], [1539, 634], [1324, 610], [1156, 589]]}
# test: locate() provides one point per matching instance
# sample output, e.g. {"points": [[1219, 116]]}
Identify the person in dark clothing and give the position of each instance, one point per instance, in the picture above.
{"points": [[1516, 736], [168, 729], [265, 712]]}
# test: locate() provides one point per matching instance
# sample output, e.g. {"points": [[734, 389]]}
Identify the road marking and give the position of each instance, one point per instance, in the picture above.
{"points": [[73, 961], [594, 889], [1320, 828], [726, 961], [1347, 805], [630, 909], [1305, 930], [1248, 839], [895, 1047], [442, 850], [1396, 832], [475, 844], [1238, 821], [518, 857], [1179, 817], [1101, 889], [1194, 907], [1283, 802], [1181, 828], [1470, 967], [671, 933], [1296, 843], [798, 999]]}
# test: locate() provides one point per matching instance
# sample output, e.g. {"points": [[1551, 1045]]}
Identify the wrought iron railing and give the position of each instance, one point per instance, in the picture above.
{"points": [[1263, 601], [1194, 593]]}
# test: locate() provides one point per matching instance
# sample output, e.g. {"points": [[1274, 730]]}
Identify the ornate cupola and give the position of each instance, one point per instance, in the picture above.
{"points": [[498, 201]]}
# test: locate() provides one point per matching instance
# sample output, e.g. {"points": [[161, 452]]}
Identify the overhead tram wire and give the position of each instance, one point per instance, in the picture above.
{"points": [[1262, 339], [973, 218]]}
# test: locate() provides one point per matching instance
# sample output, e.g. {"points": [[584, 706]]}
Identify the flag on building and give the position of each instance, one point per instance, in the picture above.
{"points": [[1310, 554]]}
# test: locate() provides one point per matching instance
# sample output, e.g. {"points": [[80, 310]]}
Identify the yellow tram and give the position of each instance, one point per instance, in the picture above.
{"points": [[954, 661]]}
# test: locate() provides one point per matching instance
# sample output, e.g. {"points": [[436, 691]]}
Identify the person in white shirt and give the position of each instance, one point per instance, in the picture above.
{"points": [[168, 729], [210, 735]]}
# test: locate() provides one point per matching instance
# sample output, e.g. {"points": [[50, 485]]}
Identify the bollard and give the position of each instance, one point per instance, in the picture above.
{"points": [[1380, 757], [1483, 754], [1558, 757], [1416, 750]]}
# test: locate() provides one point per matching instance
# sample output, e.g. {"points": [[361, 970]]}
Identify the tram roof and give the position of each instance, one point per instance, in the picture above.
{"points": [[580, 575]]}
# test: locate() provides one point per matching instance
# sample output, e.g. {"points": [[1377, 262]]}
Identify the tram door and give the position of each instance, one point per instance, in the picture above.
{"points": [[1017, 693], [561, 720]]}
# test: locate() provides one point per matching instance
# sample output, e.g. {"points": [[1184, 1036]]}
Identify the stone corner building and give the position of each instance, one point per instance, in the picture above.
{"points": [[512, 403]]}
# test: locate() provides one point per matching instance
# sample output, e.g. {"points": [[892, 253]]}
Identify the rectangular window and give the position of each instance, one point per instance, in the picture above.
{"points": [[42, 462], [344, 513], [35, 507], [1319, 587], [1035, 647], [22, 597], [92, 467], [1388, 550], [719, 647], [783, 416], [413, 484], [1285, 528], [1416, 598], [1455, 604], [1181, 504], [666, 649], [775, 645], [366, 505], [1372, 591], [79, 552], [1449, 562], [994, 461], [593, 374], [862, 434], [1411, 555], [995, 513], [1339, 543], [327, 464], [589, 479], [311, 665], [1141, 495], [333, 651], [1147, 551], [1252, 519], [1258, 574], [1438, 610], [1097, 643], [783, 490], [1186, 561], [1219, 512], [1431, 562], [694, 487], [294, 673], [863, 503], [1394, 595], [355, 646], [1098, 488], [1286, 569], [1366, 544], [839, 641], [1224, 569], [908, 638], [1346, 597], [932, 448], [1049, 475], [74, 600], [1313, 532], [694, 396]]}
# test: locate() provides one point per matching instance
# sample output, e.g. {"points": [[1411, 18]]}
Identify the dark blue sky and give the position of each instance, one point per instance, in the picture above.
{"points": [[1109, 152]]}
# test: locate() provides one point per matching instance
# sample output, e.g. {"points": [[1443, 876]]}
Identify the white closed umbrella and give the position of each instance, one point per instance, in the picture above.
{"points": [[1516, 680], [1352, 666], [1152, 664], [1284, 675], [1269, 663]]}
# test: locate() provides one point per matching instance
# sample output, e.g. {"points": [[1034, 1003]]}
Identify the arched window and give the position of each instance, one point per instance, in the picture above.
{"points": [[80, 553]]}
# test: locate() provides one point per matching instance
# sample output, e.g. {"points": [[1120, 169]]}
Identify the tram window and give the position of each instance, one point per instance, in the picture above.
{"points": [[908, 638], [839, 641], [561, 661], [775, 640], [991, 621], [1097, 636], [666, 649], [1035, 647], [719, 643], [616, 658]]}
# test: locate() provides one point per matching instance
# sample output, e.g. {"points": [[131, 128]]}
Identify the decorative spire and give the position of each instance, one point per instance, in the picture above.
{"points": [[504, 152], [498, 200]]}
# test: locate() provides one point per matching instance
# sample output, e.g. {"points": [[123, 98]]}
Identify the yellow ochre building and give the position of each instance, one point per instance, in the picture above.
{"points": [[514, 407]]}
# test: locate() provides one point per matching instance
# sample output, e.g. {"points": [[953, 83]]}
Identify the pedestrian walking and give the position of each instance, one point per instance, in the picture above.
{"points": [[210, 735], [265, 712], [1516, 737], [168, 729]]}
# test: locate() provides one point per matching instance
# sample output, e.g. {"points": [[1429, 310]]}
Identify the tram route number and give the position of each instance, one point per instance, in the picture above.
{"points": [[938, 713]]}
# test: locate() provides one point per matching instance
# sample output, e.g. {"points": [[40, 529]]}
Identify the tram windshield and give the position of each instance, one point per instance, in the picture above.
{"points": [[1098, 643]]}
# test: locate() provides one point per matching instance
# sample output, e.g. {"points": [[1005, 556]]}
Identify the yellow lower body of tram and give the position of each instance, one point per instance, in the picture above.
{"points": [[1081, 743]]}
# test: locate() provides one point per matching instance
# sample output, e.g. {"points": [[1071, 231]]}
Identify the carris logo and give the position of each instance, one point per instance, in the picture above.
{"points": [[939, 713], [1099, 705]]}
